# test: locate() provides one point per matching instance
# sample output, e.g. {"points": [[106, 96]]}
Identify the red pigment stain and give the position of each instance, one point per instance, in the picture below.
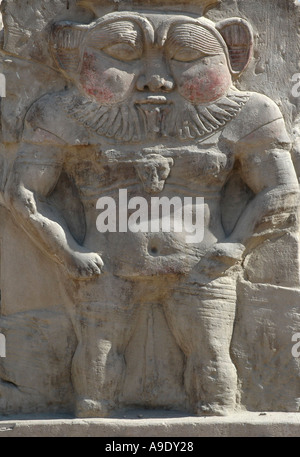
{"points": [[206, 89], [92, 81]]}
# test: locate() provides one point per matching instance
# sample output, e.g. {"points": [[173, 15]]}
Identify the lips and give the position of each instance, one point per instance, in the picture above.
{"points": [[153, 100]]}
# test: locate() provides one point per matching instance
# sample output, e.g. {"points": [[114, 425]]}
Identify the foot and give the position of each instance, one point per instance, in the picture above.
{"points": [[91, 408], [213, 409]]}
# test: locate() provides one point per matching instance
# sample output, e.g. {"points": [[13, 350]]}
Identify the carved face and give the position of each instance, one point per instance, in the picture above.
{"points": [[156, 71], [122, 59], [153, 171]]}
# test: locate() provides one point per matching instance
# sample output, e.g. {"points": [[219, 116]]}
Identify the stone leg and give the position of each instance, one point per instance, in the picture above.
{"points": [[103, 329], [201, 318]]}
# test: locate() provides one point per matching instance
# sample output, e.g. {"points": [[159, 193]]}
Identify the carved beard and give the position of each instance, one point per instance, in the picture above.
{"points": [[129, 122]]}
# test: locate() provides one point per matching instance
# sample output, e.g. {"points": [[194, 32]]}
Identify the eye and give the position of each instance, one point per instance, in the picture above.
{"points": [[187, 54], [123, 51]]}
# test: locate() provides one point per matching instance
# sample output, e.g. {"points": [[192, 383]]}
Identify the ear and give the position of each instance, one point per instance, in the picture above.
{"points": [[238, 35], [66, 38]]}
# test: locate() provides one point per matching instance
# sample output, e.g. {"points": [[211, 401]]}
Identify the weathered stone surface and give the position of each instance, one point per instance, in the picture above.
{"points": [[169, 99], [243, 424]]}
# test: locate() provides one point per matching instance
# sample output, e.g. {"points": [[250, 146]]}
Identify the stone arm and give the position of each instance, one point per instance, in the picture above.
{"points": [[269, 172], [267, 168], [31, 181]]}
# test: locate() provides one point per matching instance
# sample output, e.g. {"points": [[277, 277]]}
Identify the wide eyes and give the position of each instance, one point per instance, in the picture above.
{"points": [[123, 51]]}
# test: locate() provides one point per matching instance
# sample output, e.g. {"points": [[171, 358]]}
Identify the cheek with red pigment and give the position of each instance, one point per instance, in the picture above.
{"points": [[93, 83], [206, 88]]}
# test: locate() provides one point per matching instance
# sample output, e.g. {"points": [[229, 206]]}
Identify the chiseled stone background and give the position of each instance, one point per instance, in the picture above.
{"points": [[35, 375]]}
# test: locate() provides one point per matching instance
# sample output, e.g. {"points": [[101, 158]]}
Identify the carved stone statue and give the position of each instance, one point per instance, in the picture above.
{"points": [[150, 106]]}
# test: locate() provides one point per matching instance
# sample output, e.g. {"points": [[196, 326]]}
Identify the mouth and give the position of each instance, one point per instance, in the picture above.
{"points": [[153, 100]]}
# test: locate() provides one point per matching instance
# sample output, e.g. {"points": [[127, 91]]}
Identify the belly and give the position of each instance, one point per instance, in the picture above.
{"points": [[154, 243]]}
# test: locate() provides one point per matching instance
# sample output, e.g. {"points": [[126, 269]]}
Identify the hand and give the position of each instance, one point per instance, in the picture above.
{"points": [[84, 265], [219, 258]]}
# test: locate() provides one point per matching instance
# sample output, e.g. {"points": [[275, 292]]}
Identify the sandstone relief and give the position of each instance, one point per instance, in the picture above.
{"points": [[121, 117]]}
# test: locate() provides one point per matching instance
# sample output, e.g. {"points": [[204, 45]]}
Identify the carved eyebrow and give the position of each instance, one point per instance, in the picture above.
{"points": [[133, 18], [193, 36], [116, 32]]}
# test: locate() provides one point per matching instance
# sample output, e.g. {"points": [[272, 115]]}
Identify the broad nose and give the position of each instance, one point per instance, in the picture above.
{"points": [[155, 77], [155, 83]]}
